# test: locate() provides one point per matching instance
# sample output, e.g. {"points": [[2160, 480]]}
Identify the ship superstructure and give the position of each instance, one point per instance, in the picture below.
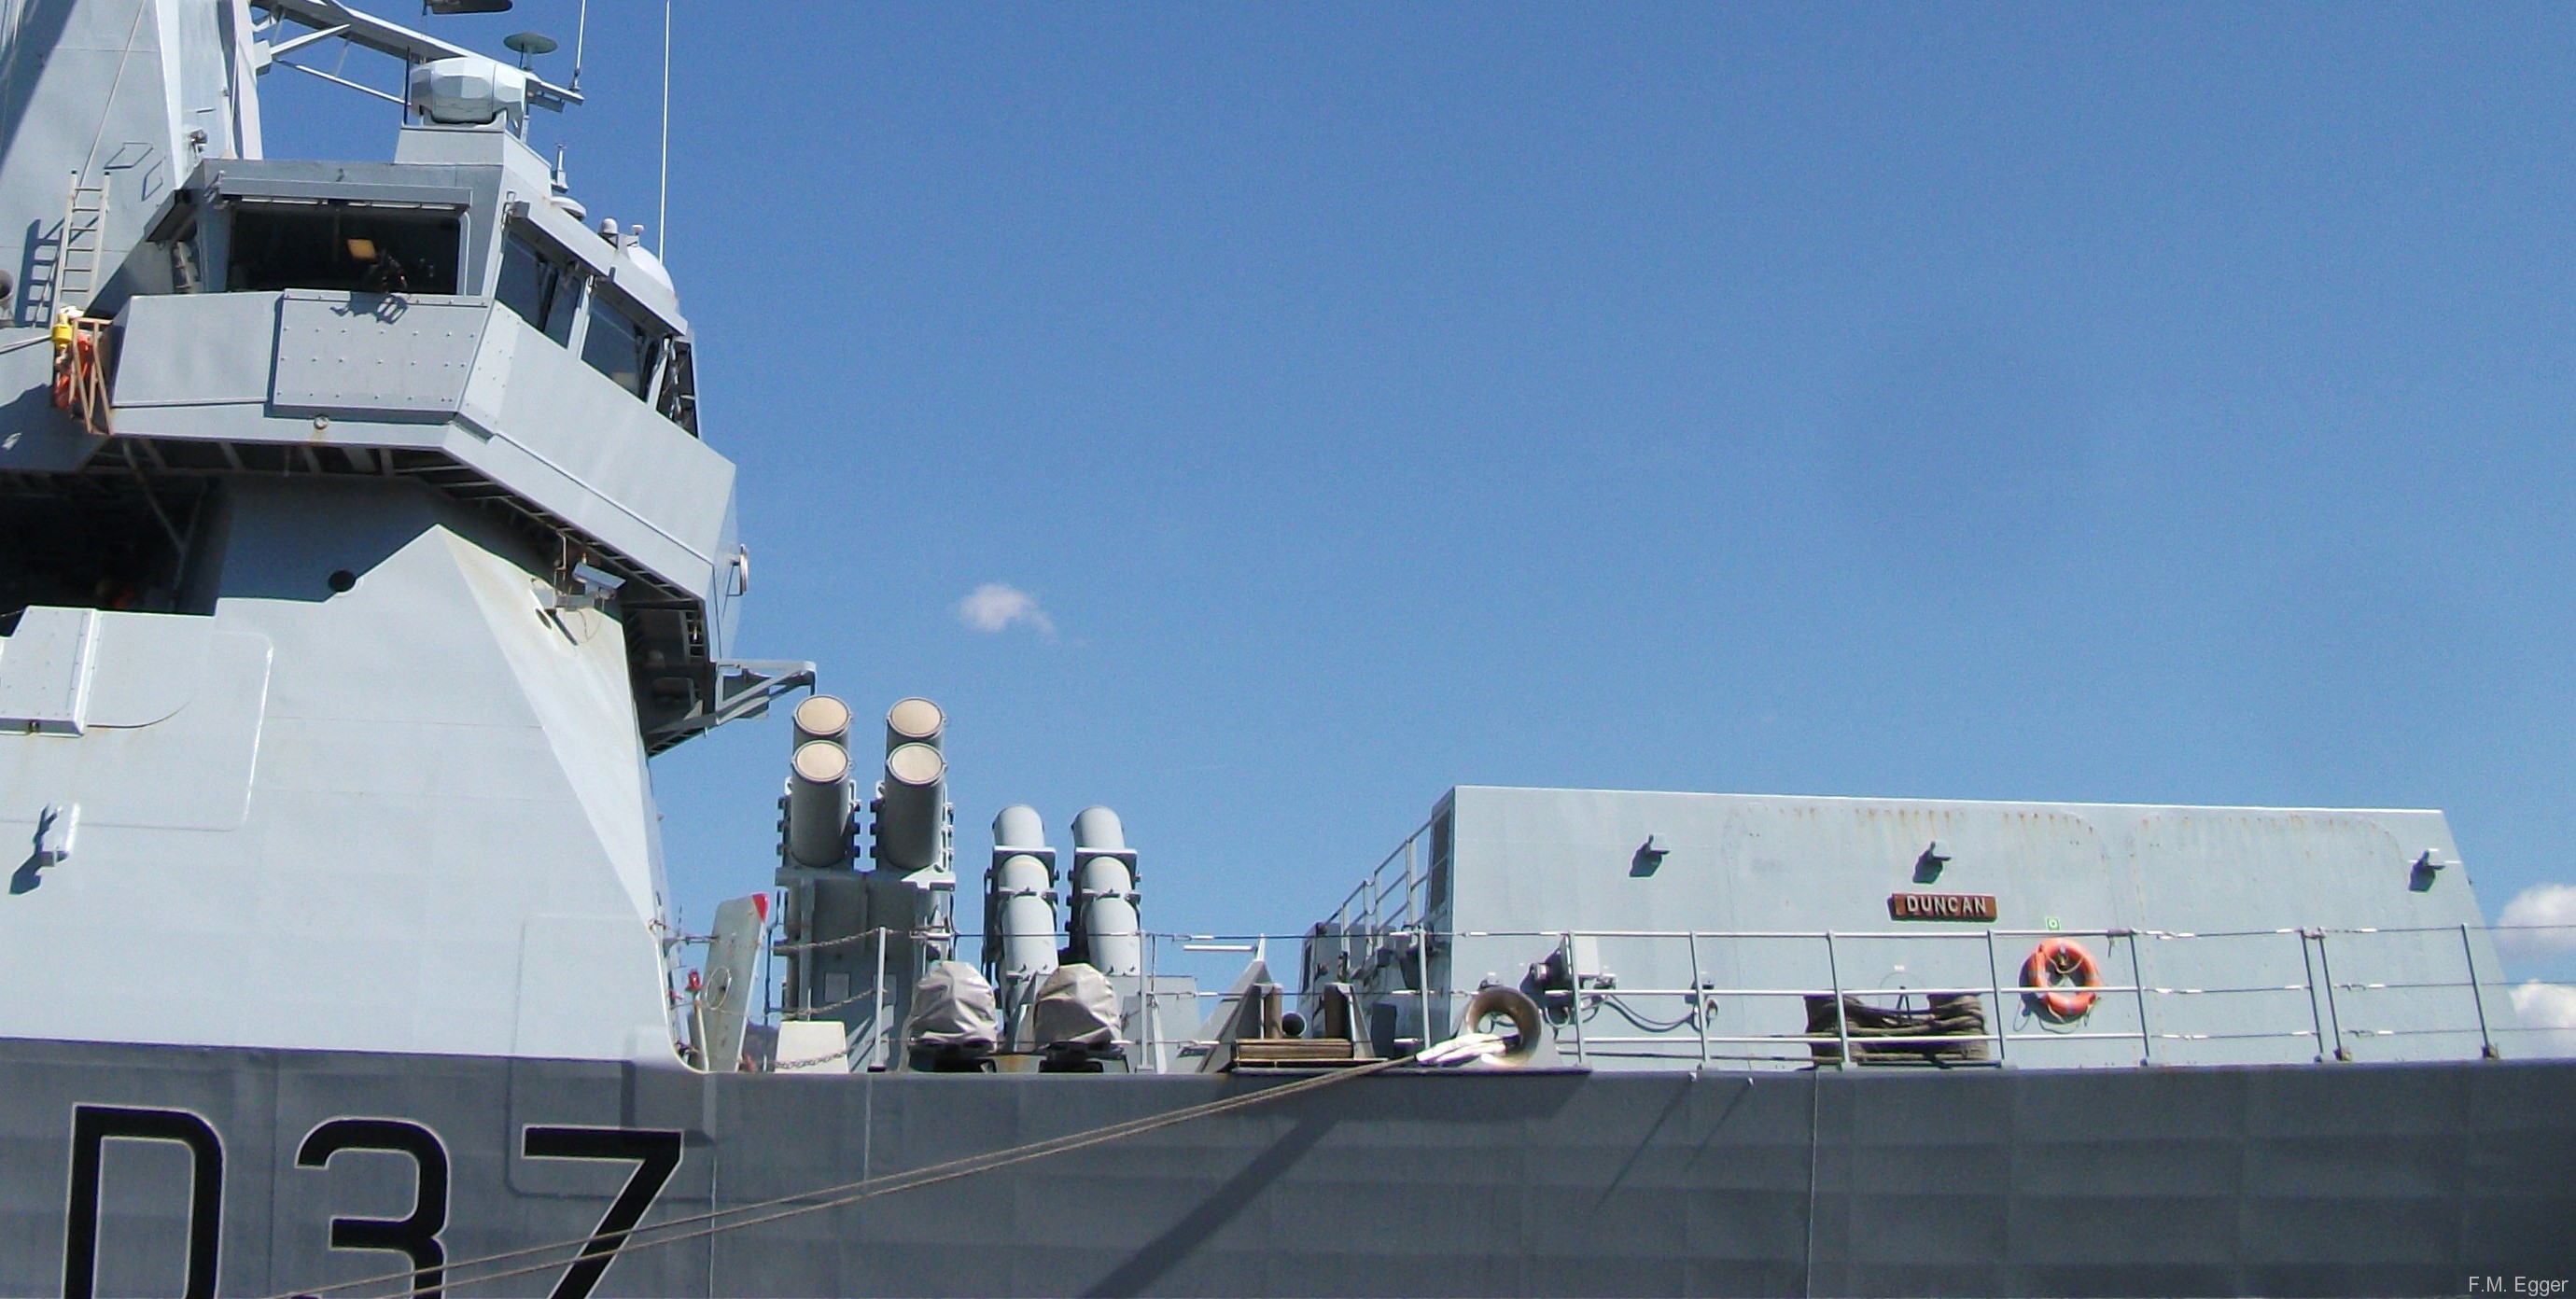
{"points": [[1665, 930], [366, 552], [359, 548]]}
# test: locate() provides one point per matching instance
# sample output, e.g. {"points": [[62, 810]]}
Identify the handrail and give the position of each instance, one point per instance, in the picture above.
{"points": [[2354, 996], [2386, 984]]}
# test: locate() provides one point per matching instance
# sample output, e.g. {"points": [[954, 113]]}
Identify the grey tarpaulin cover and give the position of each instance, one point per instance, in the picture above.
{"points": [[1075, 1005], [952, 1006]]}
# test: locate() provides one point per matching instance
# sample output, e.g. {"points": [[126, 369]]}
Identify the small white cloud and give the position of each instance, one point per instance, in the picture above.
{"points": [[995, 606], [2550, 1010], [2552, 905]]}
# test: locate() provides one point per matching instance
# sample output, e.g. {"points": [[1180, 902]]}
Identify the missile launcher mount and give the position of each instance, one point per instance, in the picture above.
{"points": [[359, 547]]}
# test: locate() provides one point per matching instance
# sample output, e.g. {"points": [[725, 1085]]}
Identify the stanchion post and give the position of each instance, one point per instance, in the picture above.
{"points": [[2138, 985], [1699, 1003], [2469, 956], [1842, 1022], [2334, 1013], [1995, 988]]}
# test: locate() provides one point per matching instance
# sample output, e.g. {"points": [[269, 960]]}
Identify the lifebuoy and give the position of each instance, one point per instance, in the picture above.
{"points": [[2060, 963]]}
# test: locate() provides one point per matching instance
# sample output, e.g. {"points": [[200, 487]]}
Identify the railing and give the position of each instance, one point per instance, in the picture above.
{"points": [[1777, 999], [2420, 992], [1395, 895]]}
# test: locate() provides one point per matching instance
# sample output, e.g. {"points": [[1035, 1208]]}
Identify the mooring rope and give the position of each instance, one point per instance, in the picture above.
{"points": [[789, 1206]]}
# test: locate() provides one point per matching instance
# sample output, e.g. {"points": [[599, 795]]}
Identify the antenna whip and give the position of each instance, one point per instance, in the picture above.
{"points": [[580, 36], [662, 218]]}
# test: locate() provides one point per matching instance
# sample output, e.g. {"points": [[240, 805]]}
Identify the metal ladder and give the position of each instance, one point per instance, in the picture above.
{"points": [[77, 250]]}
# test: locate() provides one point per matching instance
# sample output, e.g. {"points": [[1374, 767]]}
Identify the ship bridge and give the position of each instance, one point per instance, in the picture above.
{"points": [[487, 346], [445, 319], [357, 549]]}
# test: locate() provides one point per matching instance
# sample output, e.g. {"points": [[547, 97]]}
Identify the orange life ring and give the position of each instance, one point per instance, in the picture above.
{"points": [[2058, 963]]}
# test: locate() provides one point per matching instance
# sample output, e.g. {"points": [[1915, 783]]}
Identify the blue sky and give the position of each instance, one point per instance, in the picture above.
{"points": [[1990, 402]]}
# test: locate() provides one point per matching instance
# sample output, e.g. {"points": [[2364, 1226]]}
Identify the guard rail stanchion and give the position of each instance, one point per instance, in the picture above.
{"points": [[1698, 1003], [2469, 957], [2314, 1013], [1574, 1003], [1995, 988], [2334, 1013], [876, 1008], [1842, 1022], [1422, 961], [2138, 984]]}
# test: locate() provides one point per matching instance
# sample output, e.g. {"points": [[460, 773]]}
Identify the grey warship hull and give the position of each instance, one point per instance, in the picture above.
{"points": [[2442, 1178], [359, 548]]}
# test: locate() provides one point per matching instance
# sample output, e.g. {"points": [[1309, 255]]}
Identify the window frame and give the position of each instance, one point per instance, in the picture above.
{"points": [[570, 290], [645, 324], [230, 204]]}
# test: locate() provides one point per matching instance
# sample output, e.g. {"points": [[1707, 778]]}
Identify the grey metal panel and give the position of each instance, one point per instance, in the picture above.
{"points": [[629, 526], [257, 422], [374, 354], [623, 453], [196, 350], [189, 769], [518, 408], [253, 186], [45, 671], [2379, 1179], [148, 667], [430, 144], [437, 791], [2218, 897]]}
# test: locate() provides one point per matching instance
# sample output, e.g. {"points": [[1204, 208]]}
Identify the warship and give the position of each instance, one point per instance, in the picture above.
{"points": [[361, 544]]}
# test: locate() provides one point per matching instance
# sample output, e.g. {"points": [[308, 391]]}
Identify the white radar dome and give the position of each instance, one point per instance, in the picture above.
{"points": [[469, 91]]}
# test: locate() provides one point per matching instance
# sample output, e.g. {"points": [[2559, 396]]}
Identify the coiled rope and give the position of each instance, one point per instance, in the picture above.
{"points": [[716, 1222]]}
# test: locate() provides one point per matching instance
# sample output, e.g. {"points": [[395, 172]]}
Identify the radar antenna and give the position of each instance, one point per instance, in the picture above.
{"points": [[331, 19]]}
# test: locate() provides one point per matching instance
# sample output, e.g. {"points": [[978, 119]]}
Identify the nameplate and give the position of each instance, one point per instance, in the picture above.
{"points": [[1941, 906]]}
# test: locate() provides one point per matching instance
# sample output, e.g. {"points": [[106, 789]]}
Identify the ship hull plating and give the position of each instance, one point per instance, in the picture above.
{"points": [[2339, 1179]]}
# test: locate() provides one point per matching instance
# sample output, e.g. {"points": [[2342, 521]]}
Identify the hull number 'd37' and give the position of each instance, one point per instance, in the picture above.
{"points": [[652, 1155]]}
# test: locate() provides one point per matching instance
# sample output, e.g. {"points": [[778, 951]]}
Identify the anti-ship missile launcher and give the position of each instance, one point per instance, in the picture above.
{"points": [[361, 544]]}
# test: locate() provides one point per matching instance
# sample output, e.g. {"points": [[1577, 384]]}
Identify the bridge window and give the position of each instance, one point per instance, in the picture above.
{"points": [[544, 291], [616, 346], [679, 400], [366, 250]]}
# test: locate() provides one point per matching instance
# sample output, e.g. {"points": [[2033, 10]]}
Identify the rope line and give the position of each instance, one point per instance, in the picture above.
{"points": [[847, 1193], [846, 940], [789, 1066]]}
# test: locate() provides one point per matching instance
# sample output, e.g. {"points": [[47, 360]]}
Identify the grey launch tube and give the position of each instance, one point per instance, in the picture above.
{"points": [[1104, 879], [912, 806], [914, 721], [821, 717], [1025, 908], [818, 805]]}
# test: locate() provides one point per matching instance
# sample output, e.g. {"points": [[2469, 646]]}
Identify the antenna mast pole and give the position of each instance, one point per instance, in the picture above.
{"points": [[662, 217], [580, 36]]}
